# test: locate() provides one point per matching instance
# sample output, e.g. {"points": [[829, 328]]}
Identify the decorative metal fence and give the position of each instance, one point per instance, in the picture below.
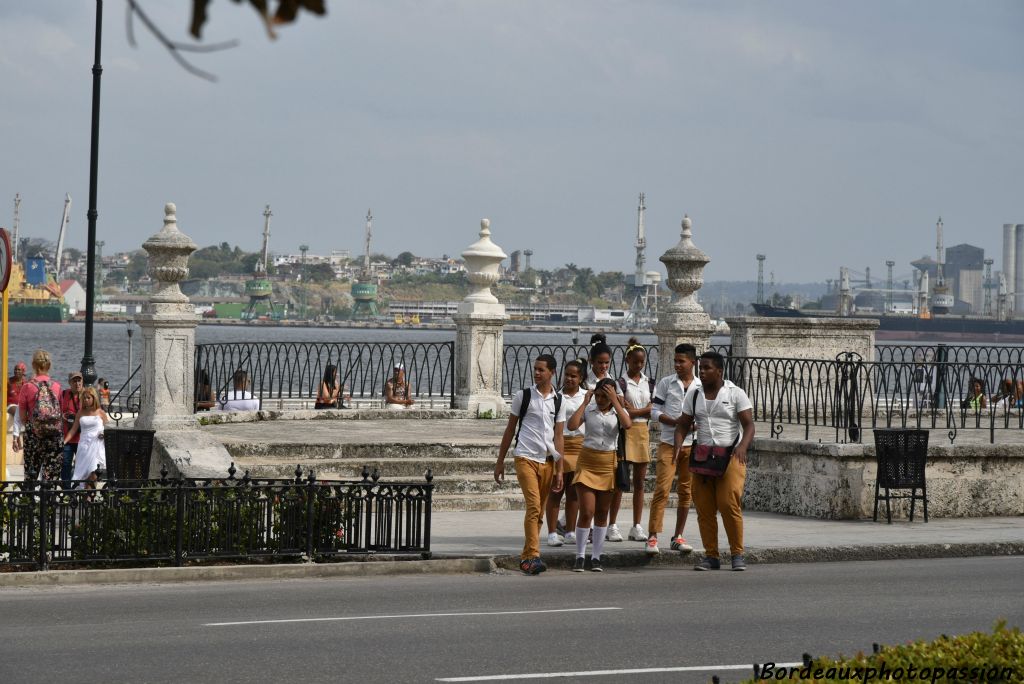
{"points": [[294, 370], [517, 362], [183, 520], [951, 353], [849, 396]]}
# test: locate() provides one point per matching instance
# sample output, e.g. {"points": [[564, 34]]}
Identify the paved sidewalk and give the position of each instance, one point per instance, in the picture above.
{"points": [[768, 537]]}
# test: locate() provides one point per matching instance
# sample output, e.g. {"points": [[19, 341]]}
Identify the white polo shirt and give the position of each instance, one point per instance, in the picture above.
{"points": [[668, 400], [537, 431], [592, 381], [717, 420], [602, 428], [570, 404], [238, 400], [638, 393]]}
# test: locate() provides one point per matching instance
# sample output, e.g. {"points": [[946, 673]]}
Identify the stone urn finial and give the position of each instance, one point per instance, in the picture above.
{"points": [[168, 253], [685, 265], [482, 260]]}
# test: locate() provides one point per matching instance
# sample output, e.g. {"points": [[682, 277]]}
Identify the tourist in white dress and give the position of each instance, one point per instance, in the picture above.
{"points": [[91, 454]]}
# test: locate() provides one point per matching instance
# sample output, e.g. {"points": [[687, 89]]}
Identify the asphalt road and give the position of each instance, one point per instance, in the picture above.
{"points": [[428, 628]]}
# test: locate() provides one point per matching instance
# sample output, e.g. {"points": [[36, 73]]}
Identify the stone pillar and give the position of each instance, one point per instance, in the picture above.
{"points": [[168, 323], [479, 331], [684, 320]]}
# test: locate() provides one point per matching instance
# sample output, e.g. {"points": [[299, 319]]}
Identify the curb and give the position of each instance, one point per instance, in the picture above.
{"points": [[798, 554], [369, 568]]}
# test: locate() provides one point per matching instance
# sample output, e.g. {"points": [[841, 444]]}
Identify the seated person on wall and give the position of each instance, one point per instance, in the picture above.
{"points": [[239, 398], [975, 399], [1008, 396], [397, 392], [205, 398]]}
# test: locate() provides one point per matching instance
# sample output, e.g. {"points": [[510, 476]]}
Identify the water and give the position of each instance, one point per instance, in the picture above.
{"points": [[66, 342]]}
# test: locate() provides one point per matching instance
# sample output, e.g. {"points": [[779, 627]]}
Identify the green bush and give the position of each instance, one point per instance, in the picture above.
{"points": [[974, 657]]}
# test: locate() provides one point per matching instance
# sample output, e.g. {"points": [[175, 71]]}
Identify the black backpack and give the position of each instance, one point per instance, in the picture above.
{"points": [[524, 408]]}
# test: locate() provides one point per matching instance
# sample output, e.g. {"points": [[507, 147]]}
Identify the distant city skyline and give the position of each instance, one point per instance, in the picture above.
{"points": [[822, 135]]}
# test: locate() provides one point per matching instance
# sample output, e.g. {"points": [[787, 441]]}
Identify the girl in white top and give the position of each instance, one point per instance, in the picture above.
{"points": [[637, 394], [600, 369], [572, 397], [595, 468]]}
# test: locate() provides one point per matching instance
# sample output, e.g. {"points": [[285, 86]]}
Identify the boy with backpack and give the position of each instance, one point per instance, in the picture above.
{"points": [[39, 411], [537, 423]]}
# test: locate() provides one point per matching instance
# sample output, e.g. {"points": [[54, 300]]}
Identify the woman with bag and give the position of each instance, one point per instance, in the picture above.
{"points": [[595, 467], [718, 460], [40, 418]]}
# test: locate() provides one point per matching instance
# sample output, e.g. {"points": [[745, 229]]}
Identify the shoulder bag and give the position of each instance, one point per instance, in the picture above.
{"points": [[707, 459]]}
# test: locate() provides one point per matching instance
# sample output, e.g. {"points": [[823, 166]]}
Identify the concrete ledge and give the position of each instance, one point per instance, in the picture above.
{"points": [[219, 418], [370, 567], [562, 560]]}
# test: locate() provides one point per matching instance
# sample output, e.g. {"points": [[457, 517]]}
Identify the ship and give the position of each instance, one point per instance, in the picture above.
{"points": [[34, 297], [937, 327]]}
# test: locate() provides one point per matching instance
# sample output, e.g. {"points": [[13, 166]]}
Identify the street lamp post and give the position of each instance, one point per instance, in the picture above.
{"points": [[305, 311], [88, 362], [129, 376]]}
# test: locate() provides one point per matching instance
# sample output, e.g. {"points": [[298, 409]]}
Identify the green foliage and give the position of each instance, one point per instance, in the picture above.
{"points": [[978, 656], [404, 259], [213, 261], [319, 273], [488, 414]]}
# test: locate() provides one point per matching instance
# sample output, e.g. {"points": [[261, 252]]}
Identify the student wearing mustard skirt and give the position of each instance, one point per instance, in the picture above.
{"points": [[636, 388], [572, 398], [595, 467]]}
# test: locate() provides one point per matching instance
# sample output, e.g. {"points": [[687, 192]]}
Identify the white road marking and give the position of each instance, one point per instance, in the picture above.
{"points": [[601, 673], [408, 615]]}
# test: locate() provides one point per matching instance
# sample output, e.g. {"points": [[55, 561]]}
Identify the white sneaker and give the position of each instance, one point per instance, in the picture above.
{"points": [[636, 533], [570, 537], [652, 547], [613, 534], [554, 539]]}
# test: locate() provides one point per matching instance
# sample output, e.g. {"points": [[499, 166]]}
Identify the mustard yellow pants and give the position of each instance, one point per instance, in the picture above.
{"points": [[713, 495], [664, 472], [535, 481]]}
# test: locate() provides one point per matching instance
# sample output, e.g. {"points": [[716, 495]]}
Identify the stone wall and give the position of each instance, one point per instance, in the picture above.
{"points": [[802, 338], [837, 481]]}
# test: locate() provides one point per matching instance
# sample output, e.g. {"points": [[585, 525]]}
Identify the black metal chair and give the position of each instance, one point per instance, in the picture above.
{"points": [[900, 455], [128, 453]]}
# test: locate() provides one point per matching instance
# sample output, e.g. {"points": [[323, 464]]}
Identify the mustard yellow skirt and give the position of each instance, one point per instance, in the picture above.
{"points": [[572, 446], [638, 443], [596, 469]]}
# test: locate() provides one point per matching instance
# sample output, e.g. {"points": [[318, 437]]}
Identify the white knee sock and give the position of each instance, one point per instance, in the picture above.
{"points": [[599, 533], [582, 533]]}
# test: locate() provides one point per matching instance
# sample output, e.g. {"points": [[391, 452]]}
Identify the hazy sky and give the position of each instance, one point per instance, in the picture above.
{"points": [[821, 134]]}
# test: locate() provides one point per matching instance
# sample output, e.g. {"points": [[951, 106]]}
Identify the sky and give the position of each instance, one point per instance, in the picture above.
{"points": [[819, 134]]}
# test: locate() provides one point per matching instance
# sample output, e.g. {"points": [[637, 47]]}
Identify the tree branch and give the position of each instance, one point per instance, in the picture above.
{"points": [[173, 47]]}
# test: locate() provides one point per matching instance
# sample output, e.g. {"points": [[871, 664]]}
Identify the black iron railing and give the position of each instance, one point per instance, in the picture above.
{"points": [[126, 400], [951, 353], [517, 362], [849, 396], [175, 521], [294, 370]]}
